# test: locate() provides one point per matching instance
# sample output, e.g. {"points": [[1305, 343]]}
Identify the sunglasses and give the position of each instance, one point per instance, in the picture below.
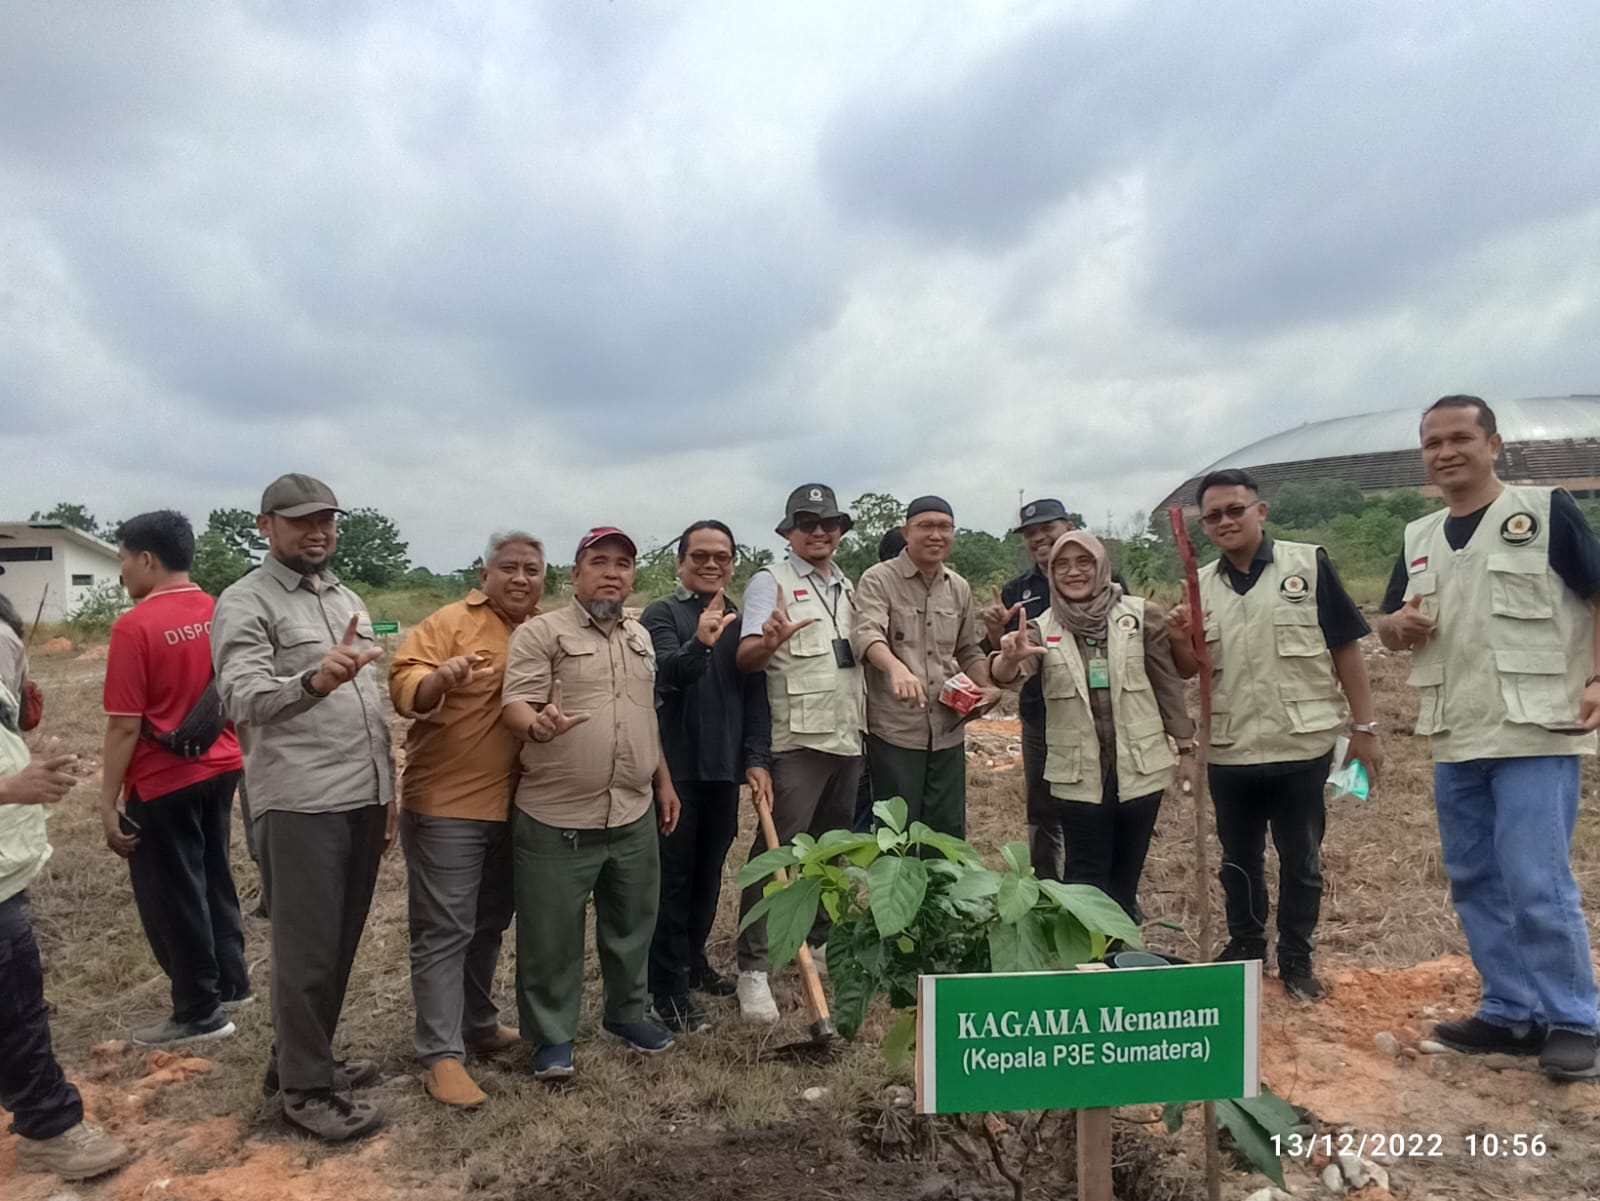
{"points": [[808, 524], [1232, 513], [701, 557]]}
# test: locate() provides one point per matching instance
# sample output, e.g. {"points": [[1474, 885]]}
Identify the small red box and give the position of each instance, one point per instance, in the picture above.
{"points": [[961, 694]]}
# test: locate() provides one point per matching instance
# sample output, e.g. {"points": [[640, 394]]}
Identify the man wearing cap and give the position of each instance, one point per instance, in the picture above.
{"points": [[580, 694], [798, 618], [455, 809], [915, 628], [1026, 598], [291, 645]]}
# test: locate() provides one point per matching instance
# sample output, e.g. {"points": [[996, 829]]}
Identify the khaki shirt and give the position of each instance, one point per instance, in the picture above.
{"points": [[932, 629], [598, 774], [302, 754], [24, 848], [460, 759]]}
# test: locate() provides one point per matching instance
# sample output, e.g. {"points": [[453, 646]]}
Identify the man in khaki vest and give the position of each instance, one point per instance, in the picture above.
{"points": [[1495, 596], [1285, 642], [796, 627]]}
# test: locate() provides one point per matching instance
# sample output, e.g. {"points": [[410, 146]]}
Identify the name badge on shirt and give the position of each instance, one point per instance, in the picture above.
{"points": [[1099, 673]]}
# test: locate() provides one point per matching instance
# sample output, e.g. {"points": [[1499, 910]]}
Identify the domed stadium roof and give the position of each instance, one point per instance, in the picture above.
{"points": [[1548, 439]]}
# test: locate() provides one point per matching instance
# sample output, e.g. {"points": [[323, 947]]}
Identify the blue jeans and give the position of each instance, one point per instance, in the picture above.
{"points": [[1505, 826]]}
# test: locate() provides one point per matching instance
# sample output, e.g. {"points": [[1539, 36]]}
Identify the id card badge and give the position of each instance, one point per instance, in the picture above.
{"points": [[843, 656], [1099, 673]]}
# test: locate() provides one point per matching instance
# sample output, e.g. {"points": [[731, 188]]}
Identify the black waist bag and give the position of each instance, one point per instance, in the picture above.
{"points": [[199, 730]]}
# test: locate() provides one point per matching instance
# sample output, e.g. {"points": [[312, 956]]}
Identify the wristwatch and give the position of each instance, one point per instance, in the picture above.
{"points": [[305, 682], [1365, 727]]}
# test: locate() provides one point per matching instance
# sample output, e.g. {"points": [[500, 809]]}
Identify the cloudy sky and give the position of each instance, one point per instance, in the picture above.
{"points": [[570, 262]]}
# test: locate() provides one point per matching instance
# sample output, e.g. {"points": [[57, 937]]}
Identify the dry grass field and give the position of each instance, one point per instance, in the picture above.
{"points": [[725, 1114]]}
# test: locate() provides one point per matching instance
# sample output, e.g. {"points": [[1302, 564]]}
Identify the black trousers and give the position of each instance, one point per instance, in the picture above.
{"points": [[183, 888], [41, 1102], [1046, 843], [691, 882], [1106, 844], [1288, 799], [318, 871]]}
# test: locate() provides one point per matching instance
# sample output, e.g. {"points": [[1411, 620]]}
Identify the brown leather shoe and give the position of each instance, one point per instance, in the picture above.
{"points": [[447, 1081], [504, 1038]]}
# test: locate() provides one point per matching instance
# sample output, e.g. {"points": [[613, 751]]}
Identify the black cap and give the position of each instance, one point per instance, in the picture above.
{"points": [[816, 499], [929, 504], [1037, 512], [891, 544]]}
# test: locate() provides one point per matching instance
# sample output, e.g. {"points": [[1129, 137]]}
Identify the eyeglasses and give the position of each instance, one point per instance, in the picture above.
{"points": [[701, 557], [808, 524], [1232, 513]]}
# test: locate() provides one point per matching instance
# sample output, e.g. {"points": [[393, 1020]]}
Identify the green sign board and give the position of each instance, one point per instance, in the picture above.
{"points": [[1087, 1039], [386, 627]]}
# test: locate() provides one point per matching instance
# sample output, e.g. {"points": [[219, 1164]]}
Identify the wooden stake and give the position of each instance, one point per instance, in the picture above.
{"points": [[1202, 855], [1094, 1155]]}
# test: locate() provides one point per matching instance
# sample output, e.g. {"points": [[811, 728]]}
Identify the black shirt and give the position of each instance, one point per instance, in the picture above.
{"points": [[1337, 614], [1033, 591], [1574, 550], [715, 719]]}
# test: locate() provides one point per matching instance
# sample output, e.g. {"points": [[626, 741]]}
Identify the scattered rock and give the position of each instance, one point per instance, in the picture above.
{"points": [[1269, 1194], [95, 654], [168, 1068], [1333, 1179], [813, 1094], [56, 645], [899, 1096], [935, 1188], [1361, 1172], [1387, 1043], [105, 1059], [1428, 1047]]}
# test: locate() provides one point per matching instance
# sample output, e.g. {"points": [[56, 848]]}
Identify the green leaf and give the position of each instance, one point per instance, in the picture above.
{"points": [[892, 813], [948, 845], [764, 864], [1017, 896], [1074, 944], [1172, 1115], [1020, 947], [1251, 1139], [900, 1038], [1098, 912], [803, 843], [793, 913], [1271, 1112], [974, 884], [906, 944], [1018, 858], [830, 904], [757, 911], [889, 839], [898, 885], [853, 990], [864, 856], [838, 842]]}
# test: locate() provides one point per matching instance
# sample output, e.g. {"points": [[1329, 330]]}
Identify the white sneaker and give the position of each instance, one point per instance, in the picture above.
{"points": [[755, 999]]}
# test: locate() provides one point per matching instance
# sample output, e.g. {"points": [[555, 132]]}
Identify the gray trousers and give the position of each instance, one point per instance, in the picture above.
{"points": [[812, 792], [461, 901], [318, 871]]}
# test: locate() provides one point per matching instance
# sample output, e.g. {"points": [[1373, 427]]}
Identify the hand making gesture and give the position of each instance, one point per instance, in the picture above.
{"points": [[995, 617], [550, 722], [464, 669], [343, 662], [1411, 625], [716, 619], [1018, 646], [778, 629]]}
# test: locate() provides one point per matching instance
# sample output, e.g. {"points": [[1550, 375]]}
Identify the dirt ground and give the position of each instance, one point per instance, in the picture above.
{"points": [[726, 1115]]}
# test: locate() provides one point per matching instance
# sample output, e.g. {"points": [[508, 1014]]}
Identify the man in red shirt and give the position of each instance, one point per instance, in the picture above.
{"points": [[172, 820]]}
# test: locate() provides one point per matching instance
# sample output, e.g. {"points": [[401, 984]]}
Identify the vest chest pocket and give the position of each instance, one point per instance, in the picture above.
{"points": [[816, 638], [1519, 587], [1298, 634], [1057, 682], [1533, 685], [811, 707], [1428, 680], [1147, 743], [581, 657], [299, 647], [1310, 709]]}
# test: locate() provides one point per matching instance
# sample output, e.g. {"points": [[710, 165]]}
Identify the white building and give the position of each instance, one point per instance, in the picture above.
{"points": [[56, 562]]}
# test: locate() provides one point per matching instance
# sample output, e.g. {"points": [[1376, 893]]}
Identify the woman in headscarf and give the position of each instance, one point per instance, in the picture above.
{"points": [[1112, 698]]}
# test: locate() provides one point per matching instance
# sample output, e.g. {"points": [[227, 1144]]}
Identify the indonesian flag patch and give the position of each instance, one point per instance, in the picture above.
{"points": [[1418, 564], [801, 594], [1053, 641]]}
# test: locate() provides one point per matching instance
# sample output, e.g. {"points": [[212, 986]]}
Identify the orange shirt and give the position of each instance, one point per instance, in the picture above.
{"points": [[460, 761]]}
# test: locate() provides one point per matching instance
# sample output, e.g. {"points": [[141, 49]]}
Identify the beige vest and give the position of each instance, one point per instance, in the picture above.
{"points": [[1072, 747], [816, 705], [1514, 643], [1274, 698]]}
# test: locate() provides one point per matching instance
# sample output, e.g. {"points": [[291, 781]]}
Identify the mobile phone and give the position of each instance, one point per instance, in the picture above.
{"points": [[1567, 727]]}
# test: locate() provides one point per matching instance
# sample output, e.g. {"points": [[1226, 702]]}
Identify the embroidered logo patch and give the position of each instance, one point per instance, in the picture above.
{"points": [[1294, 588], [1519, 529], [815, 494], [1418, 564], [1030, 510], [1027, 594], [1127, 623]]}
